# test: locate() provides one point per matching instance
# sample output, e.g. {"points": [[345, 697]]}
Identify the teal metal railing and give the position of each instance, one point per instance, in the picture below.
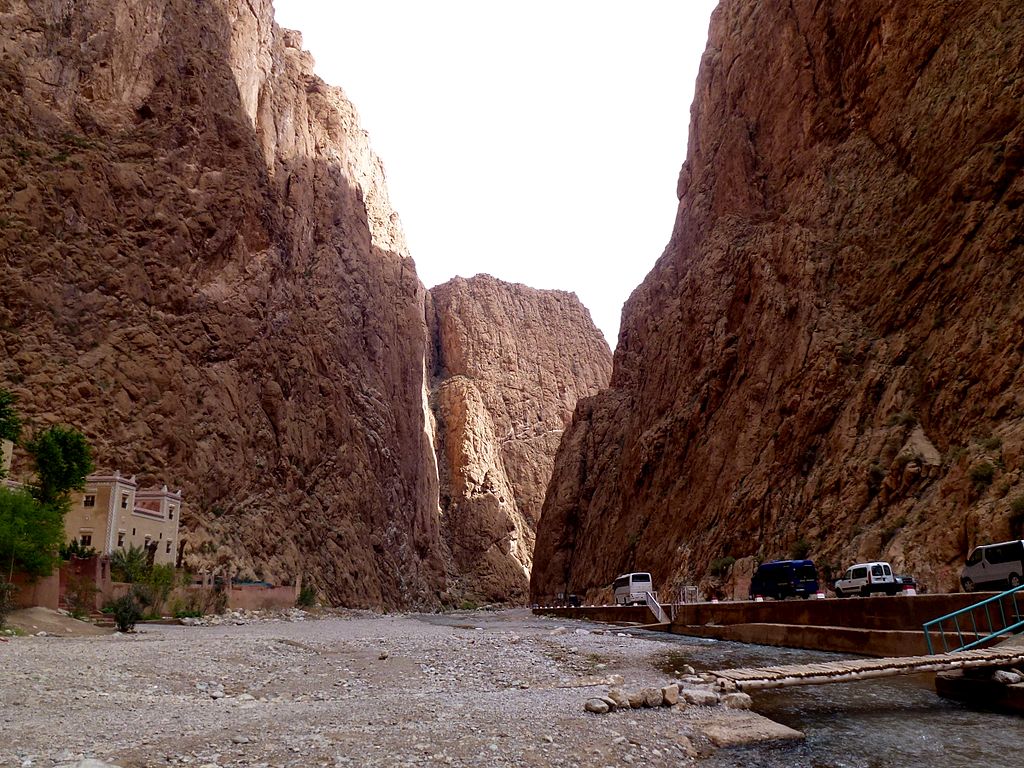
{"points": [[998, 615]]}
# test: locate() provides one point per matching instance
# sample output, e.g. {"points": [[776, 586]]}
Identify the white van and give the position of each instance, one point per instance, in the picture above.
{"points": [[994, 564], [632, 588], [865, 578]]}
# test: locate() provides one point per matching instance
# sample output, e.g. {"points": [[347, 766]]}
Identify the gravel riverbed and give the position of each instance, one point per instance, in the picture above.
{"points": [[466, 689]]}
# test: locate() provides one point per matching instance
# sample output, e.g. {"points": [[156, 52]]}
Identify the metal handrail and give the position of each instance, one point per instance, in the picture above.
{"points": [[655, 606], [1005, 629]]}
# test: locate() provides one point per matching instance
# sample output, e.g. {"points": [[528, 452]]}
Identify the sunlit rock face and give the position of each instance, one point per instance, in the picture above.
{"points": [[201, 269], [827, 356], [510, 363]]}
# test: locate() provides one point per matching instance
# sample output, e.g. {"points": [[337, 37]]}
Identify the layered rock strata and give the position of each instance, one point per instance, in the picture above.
{"points": [[826, 359], [510, 364]]}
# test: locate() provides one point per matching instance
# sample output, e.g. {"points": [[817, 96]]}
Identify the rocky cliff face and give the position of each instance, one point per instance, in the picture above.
{"points": [[201, 268], [827, 357], [510, 364]]}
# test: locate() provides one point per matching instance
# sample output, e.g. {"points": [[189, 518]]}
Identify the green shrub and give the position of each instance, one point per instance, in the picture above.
{"points": [[80, 596], [876, 474], [721, 566], [982, 474], [75, 548], [126, 612], [902, 419], [1017, 516], [307, 596], [992, 443], [800, 549]]}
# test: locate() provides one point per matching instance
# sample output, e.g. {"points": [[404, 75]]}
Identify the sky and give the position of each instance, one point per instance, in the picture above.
{"points": [[538, 141]]}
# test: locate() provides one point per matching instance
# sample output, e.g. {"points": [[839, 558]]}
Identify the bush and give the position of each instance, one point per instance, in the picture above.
{"points": [[157, 586], [307, 597], [80, 596], [1017, 516], [126, 612], [982, 474], [800, 549], [992, 443], [75, 548], [902, 419], [720, 566]]}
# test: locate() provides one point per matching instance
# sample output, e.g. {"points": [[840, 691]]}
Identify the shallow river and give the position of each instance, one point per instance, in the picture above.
{"points": [[898, 722]]}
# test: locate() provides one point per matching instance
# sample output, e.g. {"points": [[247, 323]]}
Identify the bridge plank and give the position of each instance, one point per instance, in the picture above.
{"points": [[861, 669]]}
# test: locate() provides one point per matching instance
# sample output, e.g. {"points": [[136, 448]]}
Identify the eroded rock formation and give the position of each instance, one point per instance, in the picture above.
{"points": [[827, 357], [511, 362]]}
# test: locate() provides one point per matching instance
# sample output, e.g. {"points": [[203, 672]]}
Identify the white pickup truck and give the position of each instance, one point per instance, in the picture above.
{"points": [[866, 578]]}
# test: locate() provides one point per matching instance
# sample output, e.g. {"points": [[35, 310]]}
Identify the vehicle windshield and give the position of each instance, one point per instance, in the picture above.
{"points": [[975, 557], [641, 577]]}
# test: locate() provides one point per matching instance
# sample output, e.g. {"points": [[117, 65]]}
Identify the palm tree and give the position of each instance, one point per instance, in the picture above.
{"points": [[129, 564]]}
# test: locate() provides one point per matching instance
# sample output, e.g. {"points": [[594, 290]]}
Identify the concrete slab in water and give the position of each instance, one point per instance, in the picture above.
{"points": [[737, 729]]}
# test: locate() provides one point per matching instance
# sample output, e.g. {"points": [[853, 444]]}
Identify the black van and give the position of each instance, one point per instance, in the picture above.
{"points": [[784, 578]]}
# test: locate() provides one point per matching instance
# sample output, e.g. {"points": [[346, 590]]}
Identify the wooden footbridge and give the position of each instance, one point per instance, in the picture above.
{"points": [[864, 669]]}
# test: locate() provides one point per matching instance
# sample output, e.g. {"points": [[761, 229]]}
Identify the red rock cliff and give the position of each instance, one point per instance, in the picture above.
{"points": [[827, 357], [510, 364], [201, 269]]}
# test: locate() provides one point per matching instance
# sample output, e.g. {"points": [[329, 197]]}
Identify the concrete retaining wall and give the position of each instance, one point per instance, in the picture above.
{"points": [[871, 626]]}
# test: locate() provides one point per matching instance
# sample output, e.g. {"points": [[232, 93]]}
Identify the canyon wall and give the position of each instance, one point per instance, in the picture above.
{"points": [[202, 271], [510, 364], [826, 359]]}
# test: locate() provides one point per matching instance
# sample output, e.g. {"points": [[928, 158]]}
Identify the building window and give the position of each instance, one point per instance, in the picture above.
{"points": [[120, 538], [90, 500], [85, 539], [170, 513], [168, 547], [161, 535], [133, 532], [124, 501]]}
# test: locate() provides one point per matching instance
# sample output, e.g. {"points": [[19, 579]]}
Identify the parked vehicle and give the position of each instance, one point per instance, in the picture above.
{"points": [[999, 565], [784, 578], [866, 578], [632, 588]]}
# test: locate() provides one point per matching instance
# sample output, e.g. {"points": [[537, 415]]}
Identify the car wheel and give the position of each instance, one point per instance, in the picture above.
{"points": [[968, 585], [840, 593], [1014, 580]]}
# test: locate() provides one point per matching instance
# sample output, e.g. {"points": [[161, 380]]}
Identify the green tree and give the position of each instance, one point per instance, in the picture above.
{"points": [[10, 422], [30, 533], [63, 459]]}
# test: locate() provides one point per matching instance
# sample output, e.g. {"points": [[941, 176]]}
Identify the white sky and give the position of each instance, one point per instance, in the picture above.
{"points": [[538, 141]]}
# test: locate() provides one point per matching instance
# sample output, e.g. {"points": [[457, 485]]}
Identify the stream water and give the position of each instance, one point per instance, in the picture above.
{"points": [[891, 723]]}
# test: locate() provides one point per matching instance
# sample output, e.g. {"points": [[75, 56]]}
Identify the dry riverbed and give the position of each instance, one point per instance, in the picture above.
{"points": [[468, 689]]}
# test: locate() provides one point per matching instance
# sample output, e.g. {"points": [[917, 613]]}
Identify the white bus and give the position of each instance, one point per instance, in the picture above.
{"points": [[632, 588]]}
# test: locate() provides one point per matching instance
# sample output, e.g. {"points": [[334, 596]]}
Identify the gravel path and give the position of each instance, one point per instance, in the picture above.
{"points": [[470, 689]]}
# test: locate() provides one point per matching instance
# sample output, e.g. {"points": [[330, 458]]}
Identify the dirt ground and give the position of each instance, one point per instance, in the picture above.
{"points": [[32, 621], [470, 689]]}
